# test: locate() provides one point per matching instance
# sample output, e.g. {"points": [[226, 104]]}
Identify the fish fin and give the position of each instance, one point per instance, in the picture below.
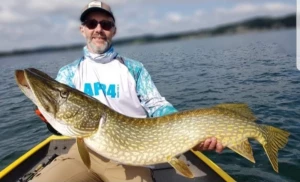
{"points": [[244, 149], [84, 154], [275, 140], [239, 108], [102, 120], [180, 167]]}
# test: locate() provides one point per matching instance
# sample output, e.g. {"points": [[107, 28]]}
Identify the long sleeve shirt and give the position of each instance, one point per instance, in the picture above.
{"points": [[122, 84]]}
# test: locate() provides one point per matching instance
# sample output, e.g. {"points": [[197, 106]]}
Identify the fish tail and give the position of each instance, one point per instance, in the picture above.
{"points": [[275, 140]]}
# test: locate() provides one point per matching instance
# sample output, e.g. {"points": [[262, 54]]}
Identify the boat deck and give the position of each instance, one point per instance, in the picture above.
{"points": [[204, 169]]}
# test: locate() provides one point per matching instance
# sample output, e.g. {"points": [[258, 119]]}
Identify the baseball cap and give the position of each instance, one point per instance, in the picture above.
{"points": [[96, 6]]}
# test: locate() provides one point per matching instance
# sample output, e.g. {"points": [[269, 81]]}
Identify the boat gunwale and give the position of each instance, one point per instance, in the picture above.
{"points": [[29, 153]]}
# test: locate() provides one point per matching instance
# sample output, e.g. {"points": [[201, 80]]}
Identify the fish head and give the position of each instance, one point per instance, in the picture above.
{"points": [[66, 109]]}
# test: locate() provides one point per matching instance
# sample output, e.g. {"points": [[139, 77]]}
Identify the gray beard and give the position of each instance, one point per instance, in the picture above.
{"points": [[99, 50]]}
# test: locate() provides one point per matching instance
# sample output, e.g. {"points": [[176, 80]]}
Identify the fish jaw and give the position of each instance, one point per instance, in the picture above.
{"points": [[51, 98], [23, 85]]}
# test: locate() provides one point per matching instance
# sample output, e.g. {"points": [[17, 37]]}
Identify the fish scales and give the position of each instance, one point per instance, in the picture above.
{"points": [[146, 141], [169, 135]]}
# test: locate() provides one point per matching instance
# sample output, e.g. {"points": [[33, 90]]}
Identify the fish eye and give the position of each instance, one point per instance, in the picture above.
{"points": [[64, 93]]}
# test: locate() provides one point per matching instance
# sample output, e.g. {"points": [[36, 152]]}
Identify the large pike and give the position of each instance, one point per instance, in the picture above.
{"points": [[145, 141]]}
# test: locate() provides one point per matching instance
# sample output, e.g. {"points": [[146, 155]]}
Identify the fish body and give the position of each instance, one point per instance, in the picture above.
{"points": [[149, 141], [145, 141]]}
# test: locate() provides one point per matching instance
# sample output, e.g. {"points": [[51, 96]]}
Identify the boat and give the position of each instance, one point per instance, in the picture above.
{"points": [[26, 166]]}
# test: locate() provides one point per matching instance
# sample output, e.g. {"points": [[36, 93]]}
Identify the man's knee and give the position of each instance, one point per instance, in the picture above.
{"points": [[66, 168], [129, 174]]}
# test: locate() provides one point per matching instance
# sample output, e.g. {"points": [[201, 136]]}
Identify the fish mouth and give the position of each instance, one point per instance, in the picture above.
{"points": [[24, 85], [45, 93], [20, 78], [31, 82]]}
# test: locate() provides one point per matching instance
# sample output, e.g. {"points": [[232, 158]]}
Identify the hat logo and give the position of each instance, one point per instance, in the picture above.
{"points": [[95, 4]]}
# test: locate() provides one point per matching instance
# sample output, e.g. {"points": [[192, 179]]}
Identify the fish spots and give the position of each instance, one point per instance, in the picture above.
{"points": [[141, 148], [146, 141], [110, 143], [122, 158], [109, 150], [131, 148], [133, 158], [115, 150]]}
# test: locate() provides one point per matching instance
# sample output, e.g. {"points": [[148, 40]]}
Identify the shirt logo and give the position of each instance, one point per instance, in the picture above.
{"points": [[109, 90], [95, 4]]}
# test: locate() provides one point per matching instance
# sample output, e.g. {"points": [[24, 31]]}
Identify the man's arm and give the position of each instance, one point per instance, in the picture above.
{"points": [[154, 104], [66, 73], [150, 98]]}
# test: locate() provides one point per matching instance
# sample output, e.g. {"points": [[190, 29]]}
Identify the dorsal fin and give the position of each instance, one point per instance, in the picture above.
{"points": [[240, 108]]}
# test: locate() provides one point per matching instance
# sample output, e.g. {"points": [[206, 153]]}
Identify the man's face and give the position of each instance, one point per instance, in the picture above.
{"points": [[98, 39]]}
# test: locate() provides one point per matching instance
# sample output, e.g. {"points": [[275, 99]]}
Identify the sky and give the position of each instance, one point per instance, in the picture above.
{"points": [[35, 23]]}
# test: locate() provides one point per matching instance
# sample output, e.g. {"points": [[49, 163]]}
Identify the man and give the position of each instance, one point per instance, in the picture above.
{"points": [[120, 83]]}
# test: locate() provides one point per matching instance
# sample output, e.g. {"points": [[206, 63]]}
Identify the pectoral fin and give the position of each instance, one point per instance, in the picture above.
{"points": [[244, 149], [84, 154], [180, 167]]}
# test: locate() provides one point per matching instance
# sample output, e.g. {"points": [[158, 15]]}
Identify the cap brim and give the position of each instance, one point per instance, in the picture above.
{"points": [[95, 9]]}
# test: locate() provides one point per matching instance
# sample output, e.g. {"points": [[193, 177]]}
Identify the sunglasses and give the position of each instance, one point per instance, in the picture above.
{"points": [[105, 24]]}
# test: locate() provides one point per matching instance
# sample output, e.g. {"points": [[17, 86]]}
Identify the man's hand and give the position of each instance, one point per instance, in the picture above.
{"points": [[50, 128], [210, 144], [39, 114]]}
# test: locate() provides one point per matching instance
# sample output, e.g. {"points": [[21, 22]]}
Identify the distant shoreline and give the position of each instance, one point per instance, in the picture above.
{"points": [[254, 24]]}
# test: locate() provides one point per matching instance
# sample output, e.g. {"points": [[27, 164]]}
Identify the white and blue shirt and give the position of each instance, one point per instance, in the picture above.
{"points": [[122, 84]]}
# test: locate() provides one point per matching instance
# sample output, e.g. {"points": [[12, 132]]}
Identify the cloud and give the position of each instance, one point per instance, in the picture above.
{"points": [[279, 7], [238, 9], [10, 12], [199, 13], [8, 16], [202, 18], [33, 23], [174, 17], [257, 9], [244, 11]]}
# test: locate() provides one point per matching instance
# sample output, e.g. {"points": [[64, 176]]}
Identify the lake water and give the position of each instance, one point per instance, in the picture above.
{"points": [[255, 68]]}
